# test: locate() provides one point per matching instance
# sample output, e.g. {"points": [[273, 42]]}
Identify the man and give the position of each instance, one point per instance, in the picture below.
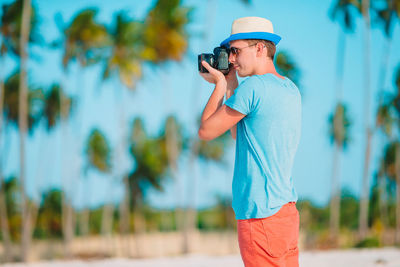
{"points": [[264, 116]]}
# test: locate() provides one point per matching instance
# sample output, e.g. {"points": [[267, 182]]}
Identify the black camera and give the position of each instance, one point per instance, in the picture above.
{"points": [[219, 60]]}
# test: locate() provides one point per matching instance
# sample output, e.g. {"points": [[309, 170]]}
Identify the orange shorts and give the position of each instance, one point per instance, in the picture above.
{"points": [[271, 241]]}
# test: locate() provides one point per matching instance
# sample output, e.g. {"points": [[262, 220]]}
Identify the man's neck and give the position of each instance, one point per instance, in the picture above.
{"points": [[267, 67]]}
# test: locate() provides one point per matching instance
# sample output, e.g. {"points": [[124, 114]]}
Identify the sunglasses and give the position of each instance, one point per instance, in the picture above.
{"points": [[235, 50]]}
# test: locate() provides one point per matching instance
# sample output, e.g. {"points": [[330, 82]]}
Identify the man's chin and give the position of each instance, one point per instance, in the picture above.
{"points": [[241, 74]]}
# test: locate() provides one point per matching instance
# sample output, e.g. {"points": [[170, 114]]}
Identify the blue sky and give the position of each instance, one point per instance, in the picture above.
{"points": [[308, 36]]}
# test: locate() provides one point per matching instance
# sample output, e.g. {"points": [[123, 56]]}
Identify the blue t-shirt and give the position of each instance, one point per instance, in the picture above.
{"points": [[266, 143]]}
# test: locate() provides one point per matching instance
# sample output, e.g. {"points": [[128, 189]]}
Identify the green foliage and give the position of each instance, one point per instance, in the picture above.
{"points": [[387, 14], [340, 124], [165, 37], [84, 38], [95, 220], [11, 102], [214, 149], [287, 67], [385, 118], [158, 220], [150, 155], [161, 37], [98, 151], [49, 217], [220, 217], [389, 162], [369, 242], [13, 202], [396, 99], [344, 11], [11, 24], [313, 218], [126, 45], [349, 208], [52, 107]]}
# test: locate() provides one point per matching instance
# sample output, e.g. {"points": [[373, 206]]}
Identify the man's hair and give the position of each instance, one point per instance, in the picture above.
{"points": [[271, 48]]}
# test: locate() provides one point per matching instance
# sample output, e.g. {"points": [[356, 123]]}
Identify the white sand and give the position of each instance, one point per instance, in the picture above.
{"points": [[387, 257]]}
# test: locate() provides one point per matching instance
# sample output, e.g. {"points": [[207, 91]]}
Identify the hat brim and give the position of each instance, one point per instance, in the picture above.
{"points": [[252, 35]]}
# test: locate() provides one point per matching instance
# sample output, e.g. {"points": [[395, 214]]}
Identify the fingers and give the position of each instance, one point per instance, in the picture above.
{"points": [[208, 67], [214, 75]]}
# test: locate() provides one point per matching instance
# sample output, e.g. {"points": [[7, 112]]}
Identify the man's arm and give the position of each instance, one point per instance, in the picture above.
{"points": [[229, 93], [217, 119], [218, 123]]}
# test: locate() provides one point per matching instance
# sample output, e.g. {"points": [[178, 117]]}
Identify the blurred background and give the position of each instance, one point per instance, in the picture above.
{"points": [[100, 105]]}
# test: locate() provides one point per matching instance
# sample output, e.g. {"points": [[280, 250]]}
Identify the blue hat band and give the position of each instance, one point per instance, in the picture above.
{"points": [[252, 35]]}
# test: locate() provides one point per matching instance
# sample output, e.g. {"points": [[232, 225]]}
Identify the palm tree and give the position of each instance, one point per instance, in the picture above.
{"points": [[83, 39], [52, 107], [40, 106], [396, 104], [391, 164], [124, 61], [206, 151], [98, 157], [174, 144], [364, 200], [287, 67], [386, 16], [22, 123], [126, 46], [151, 163], [16, 22], [385, 121], [339, 134], [49, 218], [343, 12], [166, 39], [160, 38], [389, 118], [165, 35]]}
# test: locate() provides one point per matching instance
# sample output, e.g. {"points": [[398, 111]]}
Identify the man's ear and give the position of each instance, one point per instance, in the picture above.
{"points": [[260, 48]]}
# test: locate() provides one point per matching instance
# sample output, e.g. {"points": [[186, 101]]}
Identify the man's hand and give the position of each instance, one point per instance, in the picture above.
{"points": [[231, 79], [217, 119], [214, 76]]}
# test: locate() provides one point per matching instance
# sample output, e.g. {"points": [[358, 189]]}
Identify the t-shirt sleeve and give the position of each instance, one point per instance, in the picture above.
{"points": [[244, 98]]}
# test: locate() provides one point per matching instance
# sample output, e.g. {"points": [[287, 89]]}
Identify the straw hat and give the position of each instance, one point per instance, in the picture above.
{"points": [[252, 28]]}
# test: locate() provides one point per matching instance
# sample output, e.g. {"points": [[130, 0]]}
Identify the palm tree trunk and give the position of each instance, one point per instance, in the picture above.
{"points": [[397, 168], [383, 212], [172, 151], [335, 195], [334, 222], [381, 86], [85, 215], [66, 211], [107, 219], [363, 218], [124, 216], [68, 229], [139, 224], [108, 214], [84, 222], [5, 229], [124, 210], [341, 49], [191, 216], [23, 125]]}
